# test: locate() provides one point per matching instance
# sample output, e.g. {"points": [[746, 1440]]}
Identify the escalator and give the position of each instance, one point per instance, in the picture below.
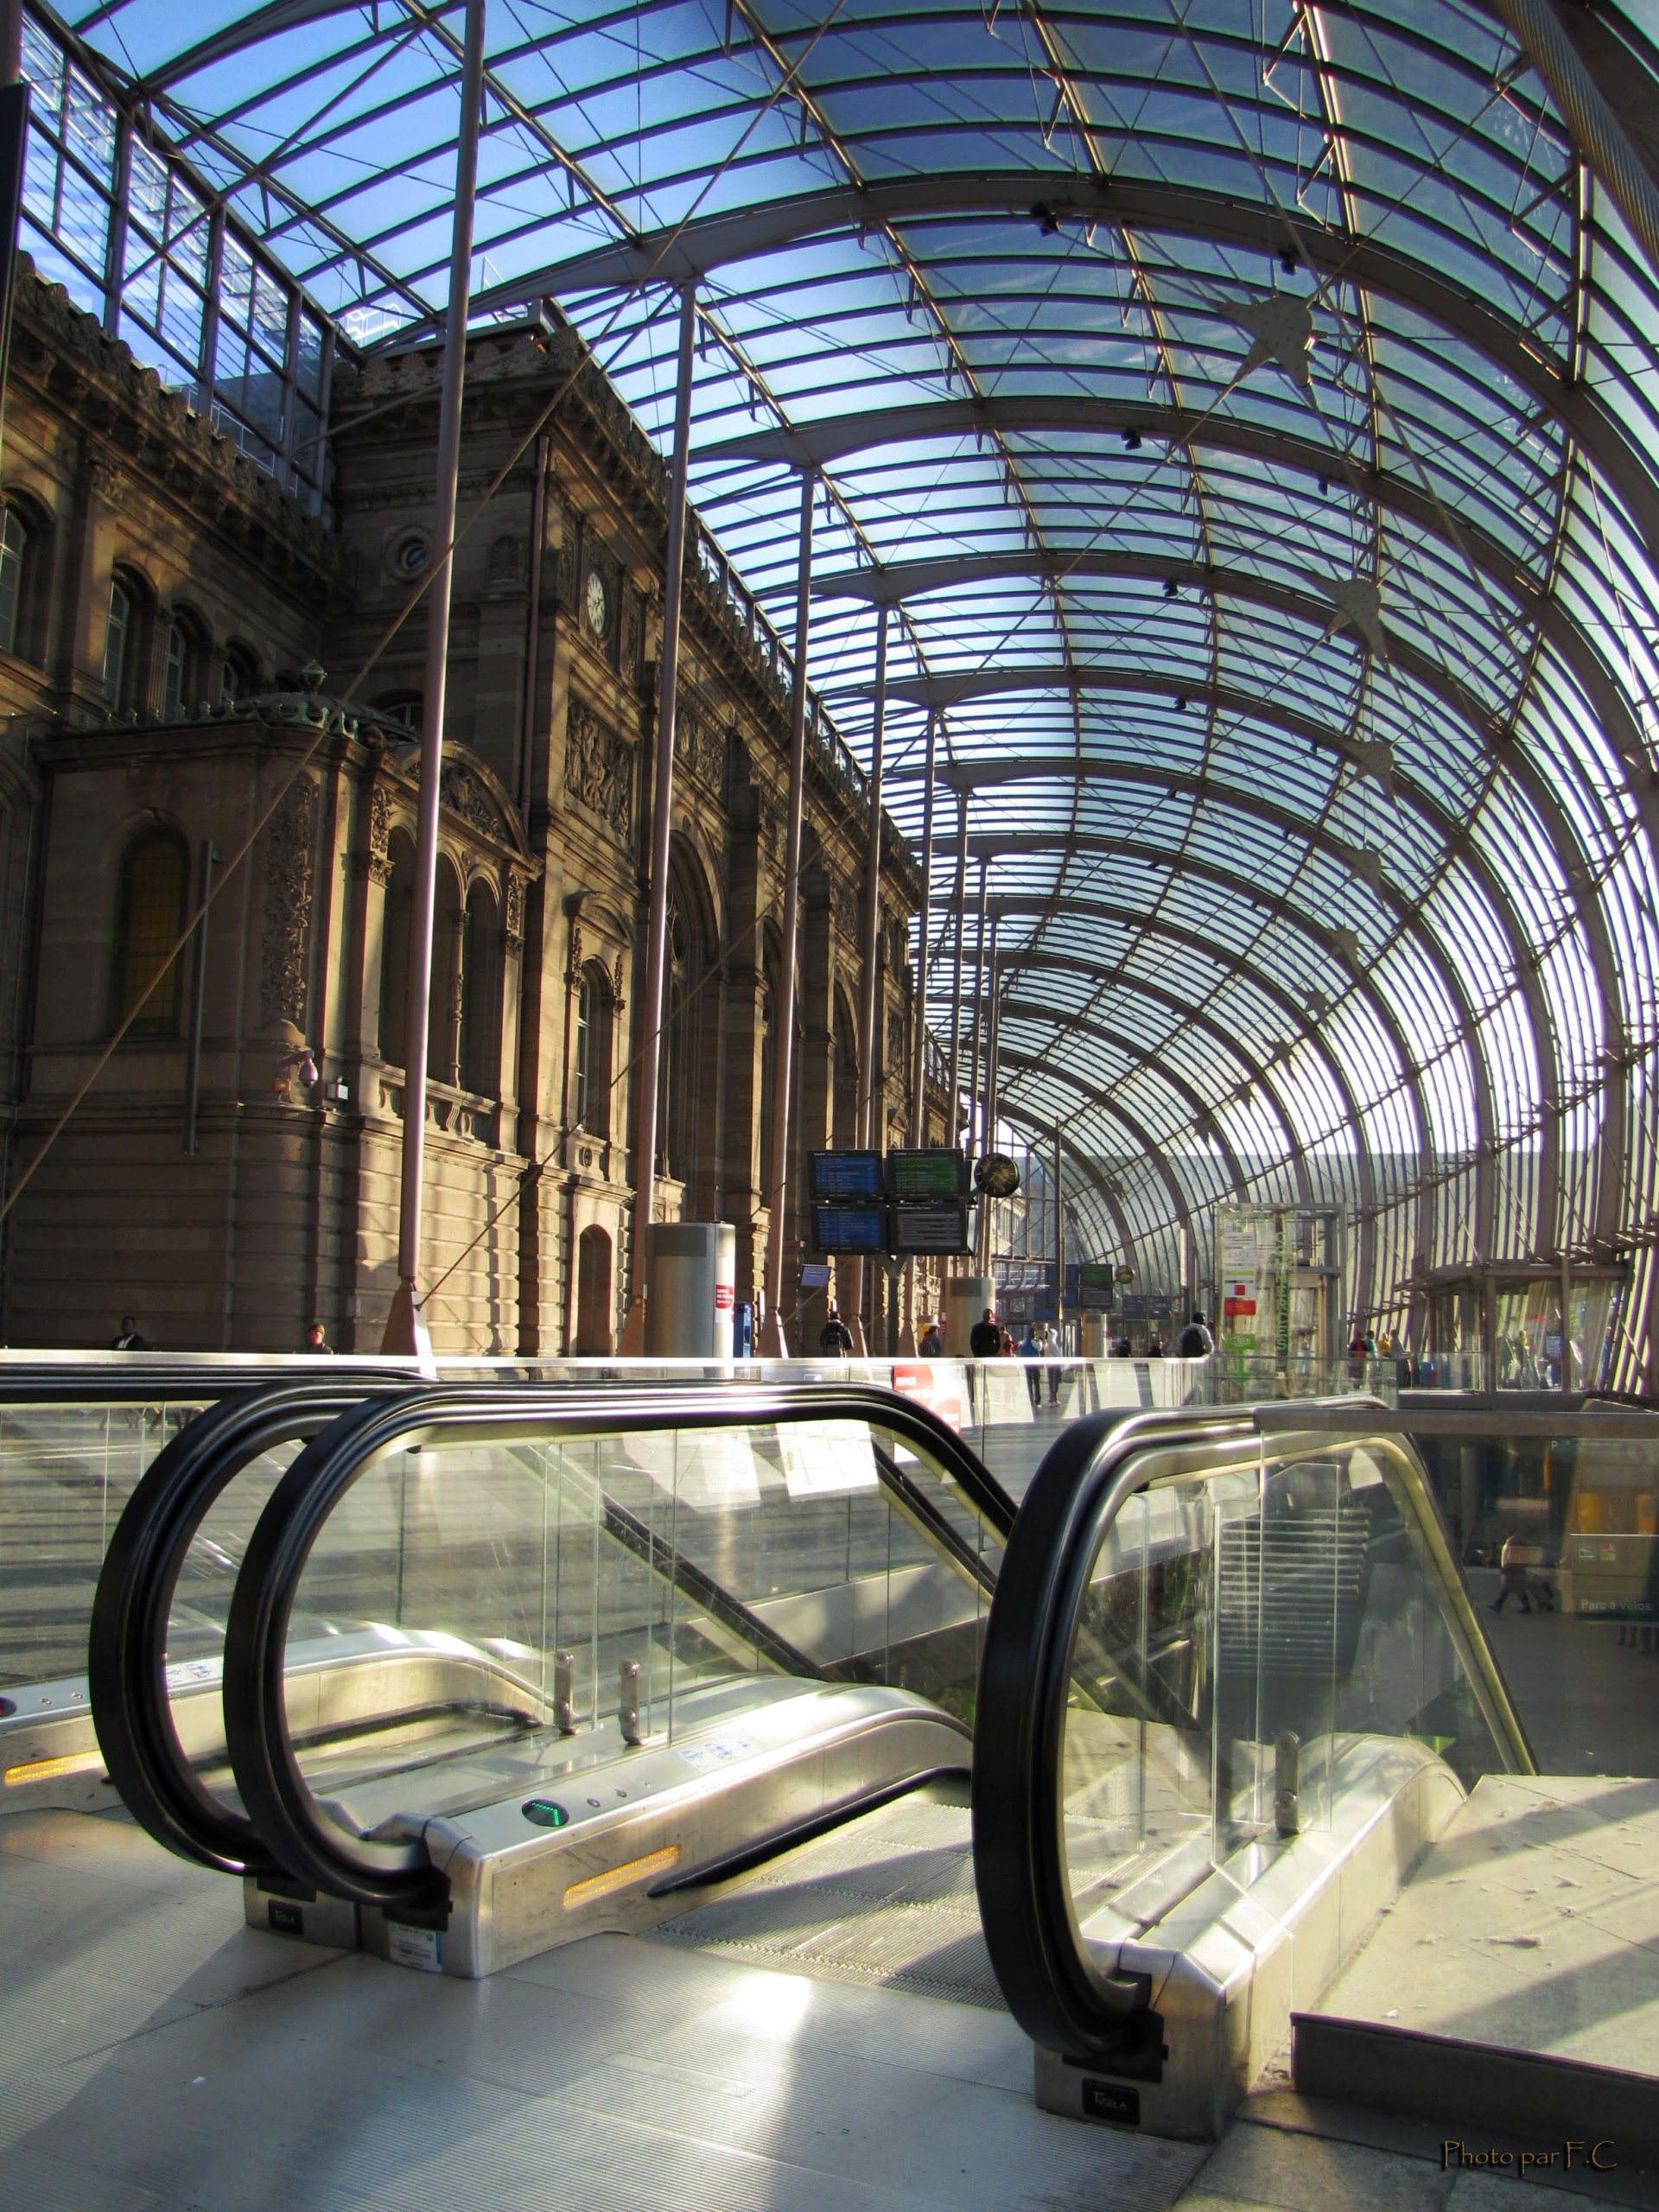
{"points": [[77, 1437], [1233, 1686], [505, 1667], [502, 1667]]}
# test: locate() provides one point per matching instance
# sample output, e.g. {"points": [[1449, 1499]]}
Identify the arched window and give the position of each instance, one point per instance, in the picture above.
{"points": [[843, 1078], [14, 573], [118, 642], [481, 995], [594, 1036], [182, 669], [394, 953], [239, 675], [404, 709], [150, 907]]}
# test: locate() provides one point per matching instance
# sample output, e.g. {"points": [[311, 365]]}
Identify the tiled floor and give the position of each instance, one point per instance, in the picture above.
{"points": [[157, 2056]]}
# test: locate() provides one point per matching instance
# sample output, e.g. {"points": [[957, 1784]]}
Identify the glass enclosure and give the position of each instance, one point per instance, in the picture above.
{"points": [[1253, 1634], [560, 1596]]}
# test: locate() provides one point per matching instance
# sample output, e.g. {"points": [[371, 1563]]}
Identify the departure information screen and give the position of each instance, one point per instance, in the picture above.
{"points": [[846, 1175], [939, 1173], [931, 1229], [849, 1228], [1094, 1287]]}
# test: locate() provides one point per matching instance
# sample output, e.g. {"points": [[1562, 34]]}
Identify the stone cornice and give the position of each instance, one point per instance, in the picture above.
{"points": [[142, 426]]}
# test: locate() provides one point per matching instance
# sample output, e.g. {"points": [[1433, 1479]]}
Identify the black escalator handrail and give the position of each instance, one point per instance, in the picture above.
{"points": [[130, 1378], [316, 1847], [1054, 1990], [126, 1660]]}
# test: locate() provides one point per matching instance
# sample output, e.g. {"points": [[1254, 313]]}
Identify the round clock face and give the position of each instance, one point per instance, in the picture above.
{"points": [[598, 605]]}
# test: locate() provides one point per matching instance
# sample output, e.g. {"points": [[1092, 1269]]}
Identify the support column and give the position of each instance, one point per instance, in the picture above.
{"points": [[952, 1134], [868, 950], [772, 1343], [976, 1129], [406, 1329], [919, 1038], [1059, 1248], [661, 817], [919, 1017], [988, 1129]]}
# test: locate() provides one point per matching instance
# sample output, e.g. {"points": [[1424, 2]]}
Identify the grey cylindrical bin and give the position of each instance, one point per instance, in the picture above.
{"points": [[691, 1263]]}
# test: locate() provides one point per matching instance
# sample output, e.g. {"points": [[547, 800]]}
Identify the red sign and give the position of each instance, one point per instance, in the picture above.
{"points": [[916, 1381], [1232, 1308], [722, 1296]]}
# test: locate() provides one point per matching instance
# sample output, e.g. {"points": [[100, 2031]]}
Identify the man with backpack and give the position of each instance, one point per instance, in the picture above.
{"points": [[1195, 1341]]}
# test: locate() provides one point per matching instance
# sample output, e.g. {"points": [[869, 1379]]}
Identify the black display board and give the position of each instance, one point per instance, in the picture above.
{"points": [[835, 1175], [1095, 1287], [925, 1177], [932, 1228], [849, 1228]]}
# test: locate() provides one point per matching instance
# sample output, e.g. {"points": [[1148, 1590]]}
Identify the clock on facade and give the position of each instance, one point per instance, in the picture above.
{"points": [[598, 604]]}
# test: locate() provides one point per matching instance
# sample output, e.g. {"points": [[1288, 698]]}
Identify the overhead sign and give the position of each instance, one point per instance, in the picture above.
{"points": [[938, 1172], [931, 1229], [846, 1175], [849, 1228], [1094, 1287]]}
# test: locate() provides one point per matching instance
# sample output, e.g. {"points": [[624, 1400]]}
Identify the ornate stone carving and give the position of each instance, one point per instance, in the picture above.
{"points": [[288, 905], [699, 745], [599, 768], [576, 952], [618, 1001], [466, 795], [380, 834], [506, 567], [843, 907], [513, 910]]}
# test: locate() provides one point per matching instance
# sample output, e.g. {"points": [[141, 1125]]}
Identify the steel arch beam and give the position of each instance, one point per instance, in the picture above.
{"points": [[1241, 888], [1192, 941], [1055, 1131], [680, 254], [839, 437], [904, 581], [1403, 914], [1255, 1071], [1449, 836], [1034, 1010], [1031, 1064]]}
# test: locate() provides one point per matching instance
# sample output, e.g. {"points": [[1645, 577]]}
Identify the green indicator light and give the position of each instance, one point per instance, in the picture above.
{"points": [[544, 1812]]}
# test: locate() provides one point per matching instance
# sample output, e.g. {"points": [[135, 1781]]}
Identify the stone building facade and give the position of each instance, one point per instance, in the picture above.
{"points": [[205, 686]]}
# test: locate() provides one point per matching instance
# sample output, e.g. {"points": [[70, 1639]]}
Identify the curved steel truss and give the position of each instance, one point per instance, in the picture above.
{"points": [[1247, 424]]}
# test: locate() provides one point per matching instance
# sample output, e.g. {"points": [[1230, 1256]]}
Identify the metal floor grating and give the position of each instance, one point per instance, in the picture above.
{"points": [[886, 1900]]}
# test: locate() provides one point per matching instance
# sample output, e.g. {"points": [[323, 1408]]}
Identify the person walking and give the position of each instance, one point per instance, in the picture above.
{"points": [[1154, 1347], [1032, 1350], [1195, 1341], [985, 1339], [1050, 1346], [834, 1337], [1512, 1569], [933, 1344]]}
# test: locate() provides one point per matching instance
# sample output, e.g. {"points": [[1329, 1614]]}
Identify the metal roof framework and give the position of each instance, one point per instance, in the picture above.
{"points": [[1247, 410]]}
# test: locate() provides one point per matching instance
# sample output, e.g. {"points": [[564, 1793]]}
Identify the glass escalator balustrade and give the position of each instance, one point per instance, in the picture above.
{"points": [[637, 1590]]}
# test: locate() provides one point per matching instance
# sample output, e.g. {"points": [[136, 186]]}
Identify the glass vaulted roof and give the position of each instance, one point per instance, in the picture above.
{"points": [[1242, 415]]}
